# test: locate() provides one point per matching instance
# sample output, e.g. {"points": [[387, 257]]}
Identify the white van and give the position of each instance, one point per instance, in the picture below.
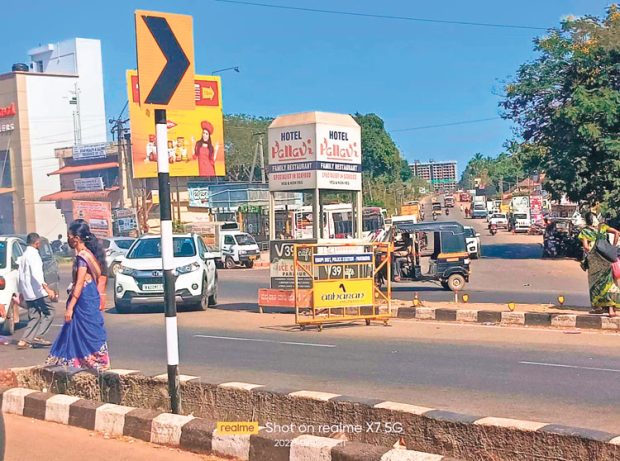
{"points": [[236, 248]]}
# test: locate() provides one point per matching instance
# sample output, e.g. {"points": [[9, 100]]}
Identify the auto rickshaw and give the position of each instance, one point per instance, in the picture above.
{"points": [[439, 253]]}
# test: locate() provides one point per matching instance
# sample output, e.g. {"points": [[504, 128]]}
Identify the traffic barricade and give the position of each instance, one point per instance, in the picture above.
{"points": [[344, 282]]}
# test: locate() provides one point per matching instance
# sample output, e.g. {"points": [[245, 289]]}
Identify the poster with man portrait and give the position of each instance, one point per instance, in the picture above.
{"points": [[195, 137]]}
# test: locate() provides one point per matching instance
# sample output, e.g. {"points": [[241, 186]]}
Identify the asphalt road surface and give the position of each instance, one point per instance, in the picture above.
{"points": [[536, 374]]}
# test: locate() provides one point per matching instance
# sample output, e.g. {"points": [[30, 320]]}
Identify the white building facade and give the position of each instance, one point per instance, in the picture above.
{"points": [[58, 100]]}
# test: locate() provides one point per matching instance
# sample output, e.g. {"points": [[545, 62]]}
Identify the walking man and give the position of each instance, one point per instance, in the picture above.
{"points": [[37, 294]]}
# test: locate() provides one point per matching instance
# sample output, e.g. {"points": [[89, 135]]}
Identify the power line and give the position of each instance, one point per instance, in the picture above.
{"points": [[382, 16], [462, 122]]}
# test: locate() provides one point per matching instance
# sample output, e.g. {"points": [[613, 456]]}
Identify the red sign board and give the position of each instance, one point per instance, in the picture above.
{"points": [[8, 111]]}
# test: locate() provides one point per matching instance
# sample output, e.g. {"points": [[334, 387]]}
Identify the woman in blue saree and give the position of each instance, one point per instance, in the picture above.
{"points": [[82, 342]]}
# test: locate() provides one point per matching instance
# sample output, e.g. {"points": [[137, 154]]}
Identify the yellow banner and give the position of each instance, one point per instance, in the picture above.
{"points": [[237, 427], [343, 293], [195, 137]]}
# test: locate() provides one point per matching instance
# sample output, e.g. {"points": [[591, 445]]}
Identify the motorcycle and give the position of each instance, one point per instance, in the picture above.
{"points": [[493, 229], [434, 217], [447, 211]]}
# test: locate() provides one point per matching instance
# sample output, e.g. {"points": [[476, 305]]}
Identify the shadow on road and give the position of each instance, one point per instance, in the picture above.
{"points": [[512, 251]]}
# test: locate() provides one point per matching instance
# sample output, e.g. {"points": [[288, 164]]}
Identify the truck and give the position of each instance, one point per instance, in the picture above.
{"points": [[411, 208], [520, 218], [231, 246], [448, 201]]}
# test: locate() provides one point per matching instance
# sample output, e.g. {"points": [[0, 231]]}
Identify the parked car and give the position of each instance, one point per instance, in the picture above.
{"points": [[11, 250], [472, 242], [499, 219], [115, 247], [139, 280]]}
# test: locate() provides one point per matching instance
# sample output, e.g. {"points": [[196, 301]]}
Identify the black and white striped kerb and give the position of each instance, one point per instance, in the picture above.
{"points": [[167, 256]]}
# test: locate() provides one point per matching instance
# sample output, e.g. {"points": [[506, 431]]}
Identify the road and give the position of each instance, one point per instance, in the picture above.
{"points": [[536, 374]]}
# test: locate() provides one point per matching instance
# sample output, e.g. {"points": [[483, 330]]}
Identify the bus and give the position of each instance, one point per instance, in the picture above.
{"points": [[296, 222]]}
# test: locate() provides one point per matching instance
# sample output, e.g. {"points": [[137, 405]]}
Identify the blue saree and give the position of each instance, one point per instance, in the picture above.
{"points": [[82, 342]]}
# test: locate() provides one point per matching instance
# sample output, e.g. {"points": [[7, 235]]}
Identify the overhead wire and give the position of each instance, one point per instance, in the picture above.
{"points": [[381, 16]]}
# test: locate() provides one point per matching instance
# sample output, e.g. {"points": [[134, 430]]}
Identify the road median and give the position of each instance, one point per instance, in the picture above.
{"points": [[290, 423], [534, 315]]}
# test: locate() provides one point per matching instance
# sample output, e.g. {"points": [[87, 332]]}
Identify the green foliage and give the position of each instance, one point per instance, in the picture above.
{"points": [[566, 105], [502, 171], [241, 134]]}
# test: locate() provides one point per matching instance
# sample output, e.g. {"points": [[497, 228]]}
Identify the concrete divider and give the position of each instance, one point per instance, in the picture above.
{"points": [[194, 434], [287, 414], [507, 318]]}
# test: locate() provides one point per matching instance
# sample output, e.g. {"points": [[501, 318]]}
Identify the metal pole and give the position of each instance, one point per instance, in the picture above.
{"points": [[121, 162], [262, 160], [360, 213], [272, 215], [167, 256], [316, 215]]}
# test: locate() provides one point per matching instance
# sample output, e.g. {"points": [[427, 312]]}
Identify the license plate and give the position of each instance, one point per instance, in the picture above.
{"points": [[153, 287]]}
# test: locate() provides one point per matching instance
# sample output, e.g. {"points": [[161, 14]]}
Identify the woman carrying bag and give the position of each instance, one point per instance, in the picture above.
{"points": [[604, 290]]}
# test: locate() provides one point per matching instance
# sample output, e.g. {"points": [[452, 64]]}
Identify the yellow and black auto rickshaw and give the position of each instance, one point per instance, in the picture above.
{"points": [[439, 253]]}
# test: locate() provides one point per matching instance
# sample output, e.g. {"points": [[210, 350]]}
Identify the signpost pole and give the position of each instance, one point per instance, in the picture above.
{"points": [[167, 255]]}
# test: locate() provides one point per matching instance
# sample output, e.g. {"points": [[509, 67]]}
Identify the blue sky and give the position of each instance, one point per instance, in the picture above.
{"points": [[411, 74]]}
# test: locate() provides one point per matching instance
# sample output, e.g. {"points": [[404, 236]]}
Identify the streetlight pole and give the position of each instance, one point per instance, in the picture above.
{"points": [[235, 68]]}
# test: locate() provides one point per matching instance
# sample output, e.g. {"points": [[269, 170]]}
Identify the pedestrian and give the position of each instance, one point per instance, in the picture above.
{"points": [[604, 292], [461, 208], [467, 212], [57, 244], [37, 294], [82, 342]]}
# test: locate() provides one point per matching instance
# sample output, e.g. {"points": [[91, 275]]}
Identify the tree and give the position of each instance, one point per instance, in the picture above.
{"points": [[241, 133], [566, 105], [380, 156]]}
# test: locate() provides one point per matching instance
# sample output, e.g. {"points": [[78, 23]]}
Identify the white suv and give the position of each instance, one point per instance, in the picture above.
{"points": [[499, 219], [139, 280]]}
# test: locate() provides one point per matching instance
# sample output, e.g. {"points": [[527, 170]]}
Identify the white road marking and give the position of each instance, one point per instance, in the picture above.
{"points": [[257, 340], [557, 365]]}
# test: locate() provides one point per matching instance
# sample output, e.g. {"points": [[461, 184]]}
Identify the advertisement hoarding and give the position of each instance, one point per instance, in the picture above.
{"points": [[198, 195], [88, 184], [315, 150], [195, 137], [89, 151], [282, 266], [98, 215]]}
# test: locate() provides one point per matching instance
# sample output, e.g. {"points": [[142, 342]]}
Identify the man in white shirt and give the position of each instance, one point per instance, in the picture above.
{"points": [[37, 295]]}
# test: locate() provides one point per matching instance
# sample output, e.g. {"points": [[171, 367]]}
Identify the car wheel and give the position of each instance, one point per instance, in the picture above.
{"points": [[475, 255], [456, 282], [213, 296], [204, 298], [121, 309], [114, 268], [249, 264], [229, 263]]}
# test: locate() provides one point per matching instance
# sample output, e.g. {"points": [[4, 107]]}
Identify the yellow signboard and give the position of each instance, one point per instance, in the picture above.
{"points": [[195, 137], [165, 49], [343, 293]]}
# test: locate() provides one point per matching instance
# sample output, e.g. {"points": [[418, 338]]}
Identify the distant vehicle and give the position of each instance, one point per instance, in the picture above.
{"points": [[472, 241], [139, 280], [437, 207], [499, 219], [479, 211], [521, 222], [11, 250], [115, 247], [231, 246], [449, 201]]}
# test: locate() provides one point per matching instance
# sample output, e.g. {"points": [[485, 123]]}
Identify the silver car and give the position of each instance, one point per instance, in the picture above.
{"points": [[115, 249]]}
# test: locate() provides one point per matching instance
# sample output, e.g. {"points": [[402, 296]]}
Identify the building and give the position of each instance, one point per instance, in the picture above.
{"points": [[88, 173], [54, 101], [442, 176]]}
